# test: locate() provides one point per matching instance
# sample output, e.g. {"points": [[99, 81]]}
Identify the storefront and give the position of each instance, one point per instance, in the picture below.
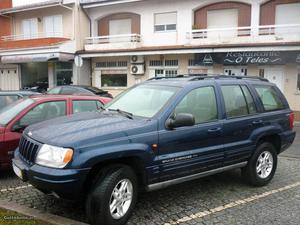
{"points": [[40, 72]]}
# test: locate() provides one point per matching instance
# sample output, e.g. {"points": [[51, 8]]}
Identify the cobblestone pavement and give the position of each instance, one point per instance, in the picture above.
{"points": [[219, 199]]}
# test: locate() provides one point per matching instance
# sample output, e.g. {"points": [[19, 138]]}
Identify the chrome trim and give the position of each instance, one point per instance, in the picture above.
{"points": [[165, 184]]}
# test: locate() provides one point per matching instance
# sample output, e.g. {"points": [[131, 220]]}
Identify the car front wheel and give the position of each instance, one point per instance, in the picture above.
{"points": [[113, 198]]}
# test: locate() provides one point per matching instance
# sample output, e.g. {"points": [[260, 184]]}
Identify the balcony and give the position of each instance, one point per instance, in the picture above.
{"points": [[245, 35], [32, 41], [111, 42]]}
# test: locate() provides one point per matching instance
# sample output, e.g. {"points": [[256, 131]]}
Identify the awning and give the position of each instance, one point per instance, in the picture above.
{"points": [[64, 57], [26, 7]]}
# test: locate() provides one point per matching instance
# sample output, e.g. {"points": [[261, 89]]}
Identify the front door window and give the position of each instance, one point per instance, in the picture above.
{"points": [[43, 111]]}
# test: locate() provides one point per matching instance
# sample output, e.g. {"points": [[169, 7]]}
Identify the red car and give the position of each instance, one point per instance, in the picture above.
{"points": [[20, 114]]}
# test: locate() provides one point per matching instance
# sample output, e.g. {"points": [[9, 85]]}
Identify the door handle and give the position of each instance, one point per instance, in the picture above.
{"points": [[214, 130], [257, 122]]}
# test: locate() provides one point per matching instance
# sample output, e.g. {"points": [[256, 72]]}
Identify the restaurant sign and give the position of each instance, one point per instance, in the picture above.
{"points": [[244, 58]]}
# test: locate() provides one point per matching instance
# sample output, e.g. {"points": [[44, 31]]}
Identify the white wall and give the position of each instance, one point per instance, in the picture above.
{"points": [[147, 9]]}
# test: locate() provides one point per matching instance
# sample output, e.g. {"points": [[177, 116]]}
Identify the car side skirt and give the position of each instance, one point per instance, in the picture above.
{"points": [[164, 184]]}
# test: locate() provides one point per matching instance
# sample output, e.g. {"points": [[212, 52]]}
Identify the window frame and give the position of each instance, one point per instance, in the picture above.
{"points": [[253, 97], [217, 105], [165, 30]]}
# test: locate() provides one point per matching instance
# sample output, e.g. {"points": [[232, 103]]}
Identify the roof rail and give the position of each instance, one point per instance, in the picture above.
{"points": [[194, 77]]}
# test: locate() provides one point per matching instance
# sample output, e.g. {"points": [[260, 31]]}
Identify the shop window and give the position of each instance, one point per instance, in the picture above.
{"points": [[114, 80], [262, 73], [64, 73], [165, 22]]}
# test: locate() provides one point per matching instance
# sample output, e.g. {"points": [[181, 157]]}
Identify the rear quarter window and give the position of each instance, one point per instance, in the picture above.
{"points": [[270, 98]]}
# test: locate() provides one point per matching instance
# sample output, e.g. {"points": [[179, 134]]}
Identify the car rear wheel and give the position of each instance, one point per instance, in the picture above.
{"points": [[113, 197], [261, 166]]}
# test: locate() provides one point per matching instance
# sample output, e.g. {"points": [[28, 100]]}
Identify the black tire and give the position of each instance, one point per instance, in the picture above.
{"points": [[250, 173], [98, 200]]}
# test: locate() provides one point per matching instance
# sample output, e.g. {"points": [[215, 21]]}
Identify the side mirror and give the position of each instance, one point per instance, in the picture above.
{"points": [[181, 120], [18, 128]]}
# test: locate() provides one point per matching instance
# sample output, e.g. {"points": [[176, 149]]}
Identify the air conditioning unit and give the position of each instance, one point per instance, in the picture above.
{"points": [[137, 59], [137, 69]]}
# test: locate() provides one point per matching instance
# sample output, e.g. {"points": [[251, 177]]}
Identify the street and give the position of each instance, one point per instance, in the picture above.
{"points": [[219, 199]]}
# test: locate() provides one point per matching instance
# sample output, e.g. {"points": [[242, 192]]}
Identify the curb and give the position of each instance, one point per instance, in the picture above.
{"points": [[43, 216]]}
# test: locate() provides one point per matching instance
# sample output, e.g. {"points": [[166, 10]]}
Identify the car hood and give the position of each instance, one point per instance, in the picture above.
{"points": [[84, 129]]}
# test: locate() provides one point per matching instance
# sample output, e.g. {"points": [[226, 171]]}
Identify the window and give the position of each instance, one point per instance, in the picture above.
{"points": [[171, 63], [143, 100], [43, 111], [201, 103], [156, 63], [114, 80], [165, 22], [235, 103], [85, 106], [249, 99], [53, 26], [171, 73], [269, 97], [111, 64], [118, 27], [30, 28], [298, 80], [165, 73], [6, 100]]}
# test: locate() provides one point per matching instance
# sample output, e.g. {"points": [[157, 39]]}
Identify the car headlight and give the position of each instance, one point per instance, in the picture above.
{"points": [[52, 156]]}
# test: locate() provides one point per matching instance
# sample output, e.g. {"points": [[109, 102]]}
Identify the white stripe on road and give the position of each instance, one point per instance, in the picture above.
{"points": [[232, 204], [15, 188]]}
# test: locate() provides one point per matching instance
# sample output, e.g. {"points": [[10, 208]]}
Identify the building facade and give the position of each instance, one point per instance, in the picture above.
{"points": [[134, 40], [39, 42]]}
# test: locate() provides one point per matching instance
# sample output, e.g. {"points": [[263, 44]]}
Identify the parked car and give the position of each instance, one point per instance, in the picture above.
{"points": [[8, 97], [79, 89], [16, 117], [176, 130]]}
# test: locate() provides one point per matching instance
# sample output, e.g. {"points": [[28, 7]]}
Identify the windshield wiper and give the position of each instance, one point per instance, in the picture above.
{"points": [[124, 113]]}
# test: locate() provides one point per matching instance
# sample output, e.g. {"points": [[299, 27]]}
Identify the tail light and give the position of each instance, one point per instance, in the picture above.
{"points": [[292, 120]]}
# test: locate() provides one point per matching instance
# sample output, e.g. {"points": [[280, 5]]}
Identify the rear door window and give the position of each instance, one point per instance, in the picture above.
{"points": [[235, 101], [269, 97], [85, 106]]}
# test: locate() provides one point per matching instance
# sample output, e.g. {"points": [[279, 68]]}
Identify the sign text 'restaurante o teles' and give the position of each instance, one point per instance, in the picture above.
{"points": [[244, 58]]}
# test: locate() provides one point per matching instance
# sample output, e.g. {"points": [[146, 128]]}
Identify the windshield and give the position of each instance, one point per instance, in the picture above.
{"points": [[10, 111], [143, 100]]}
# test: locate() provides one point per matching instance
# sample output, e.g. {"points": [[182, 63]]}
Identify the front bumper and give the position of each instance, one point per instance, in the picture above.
{"points": [[66, 183]]}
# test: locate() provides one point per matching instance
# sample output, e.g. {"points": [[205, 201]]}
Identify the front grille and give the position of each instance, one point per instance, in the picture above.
{"points": [[28, 150]]}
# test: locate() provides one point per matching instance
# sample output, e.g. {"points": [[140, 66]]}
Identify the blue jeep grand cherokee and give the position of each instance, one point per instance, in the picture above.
{"points": [[159, 133]]}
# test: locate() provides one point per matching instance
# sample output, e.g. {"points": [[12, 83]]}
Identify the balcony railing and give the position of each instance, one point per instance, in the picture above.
{"points": [[19, 37], [122, 41], [234, 35]]}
